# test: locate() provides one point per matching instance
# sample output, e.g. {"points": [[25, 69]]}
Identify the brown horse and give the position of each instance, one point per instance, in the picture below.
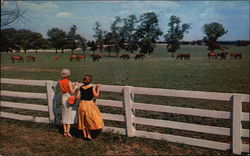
{"points": [[183, 56], [81, 57], [30, 59], [17, 57], [139, 56], [96, 57], [211, 55], [56, 58], [235, 56], [125, 56], [73, 57], [221, 55]]}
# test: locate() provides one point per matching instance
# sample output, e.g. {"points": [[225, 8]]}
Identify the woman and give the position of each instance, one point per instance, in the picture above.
{"points": [[89, 116], [69, 113]]}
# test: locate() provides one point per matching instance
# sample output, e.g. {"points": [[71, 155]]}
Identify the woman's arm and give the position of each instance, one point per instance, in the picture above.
{"points": [[78, 94], [72, 87], [96, 91]]}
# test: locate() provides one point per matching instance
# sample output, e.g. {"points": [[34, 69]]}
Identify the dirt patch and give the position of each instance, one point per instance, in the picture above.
{"points": [[8, 68]]}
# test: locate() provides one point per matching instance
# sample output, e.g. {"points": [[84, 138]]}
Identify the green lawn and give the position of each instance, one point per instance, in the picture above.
{"points": [[159, 70]]}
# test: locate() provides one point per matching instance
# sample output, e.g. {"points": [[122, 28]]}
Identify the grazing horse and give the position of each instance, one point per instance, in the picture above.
{"points": [[125, 56], [17, 57], [81, 57], [139, 56], [96, 57], [31, 59], [211, 55], [235, 56], [56, 58], [73, 57], [221, 55], [183, 56]]}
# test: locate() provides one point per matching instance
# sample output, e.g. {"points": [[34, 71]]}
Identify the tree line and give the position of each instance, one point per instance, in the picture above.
{"points": [[130, 33]]}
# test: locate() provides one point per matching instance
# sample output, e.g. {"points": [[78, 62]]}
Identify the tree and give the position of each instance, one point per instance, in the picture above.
{"points": [[57, 38], [147, 47], [149, 27], [81, 41], [8, 39], [38, 42], [175, 34], [45, 44], [8, 16], [109, 41], [99, 33], [71, 38], [128, 33], [112, 38], [26, 39], [240, 43], [115, 35], [115, 29], [93, 46], [148, 30], [213, 31]]}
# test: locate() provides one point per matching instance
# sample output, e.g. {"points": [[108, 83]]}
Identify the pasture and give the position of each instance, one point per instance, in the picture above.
{"points": [[159, 70]]}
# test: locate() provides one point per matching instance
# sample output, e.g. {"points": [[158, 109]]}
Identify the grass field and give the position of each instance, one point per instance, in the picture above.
{"points": [[157, 71]]}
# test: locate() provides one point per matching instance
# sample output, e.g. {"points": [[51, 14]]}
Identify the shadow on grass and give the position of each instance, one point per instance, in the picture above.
{"points": [[76, 133]]}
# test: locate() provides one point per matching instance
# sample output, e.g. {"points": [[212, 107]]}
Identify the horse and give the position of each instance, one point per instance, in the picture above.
{"points": [[139, 56], [56, 58], [17, 57], [81, 57], [221, 55], [235, 56], [183, 56], [96, 57], [211, 55], [73, 57], [31, 59], [125, 56]]}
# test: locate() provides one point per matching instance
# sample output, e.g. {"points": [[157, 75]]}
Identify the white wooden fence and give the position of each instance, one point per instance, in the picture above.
{"points": [[236, 116]]}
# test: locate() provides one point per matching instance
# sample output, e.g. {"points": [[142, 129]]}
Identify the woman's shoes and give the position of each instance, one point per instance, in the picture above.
{"points": [[67, 134]]}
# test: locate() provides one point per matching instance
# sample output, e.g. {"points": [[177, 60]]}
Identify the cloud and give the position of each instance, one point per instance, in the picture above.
{"points": [[212, 14], [139, 7], [124, 12], [98, 18], [150, 4], [40, 7], [64, 14]]}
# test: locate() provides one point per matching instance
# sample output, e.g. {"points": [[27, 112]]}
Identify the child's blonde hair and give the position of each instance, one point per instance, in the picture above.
{"points": [[87, 79]]}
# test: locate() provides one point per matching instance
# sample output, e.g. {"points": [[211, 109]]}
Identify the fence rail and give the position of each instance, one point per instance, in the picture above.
{"points": [[130, 119]]}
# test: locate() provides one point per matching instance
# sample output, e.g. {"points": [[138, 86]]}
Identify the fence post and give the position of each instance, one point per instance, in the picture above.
{"points": [[237, 110], [128, 110], [50, 96]]}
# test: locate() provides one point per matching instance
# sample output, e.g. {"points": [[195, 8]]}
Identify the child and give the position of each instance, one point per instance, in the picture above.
{"points": [[89, 116], [69, 115]]}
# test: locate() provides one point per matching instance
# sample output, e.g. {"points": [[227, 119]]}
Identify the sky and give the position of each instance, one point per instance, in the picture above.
{"points": [[40, 16]]}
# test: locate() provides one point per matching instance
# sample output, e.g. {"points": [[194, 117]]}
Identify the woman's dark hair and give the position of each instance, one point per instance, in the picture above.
{"points": [[87, 79]]}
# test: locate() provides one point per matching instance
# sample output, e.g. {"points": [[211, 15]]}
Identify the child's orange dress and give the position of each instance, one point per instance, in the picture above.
{"points": [[89, 116]]}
